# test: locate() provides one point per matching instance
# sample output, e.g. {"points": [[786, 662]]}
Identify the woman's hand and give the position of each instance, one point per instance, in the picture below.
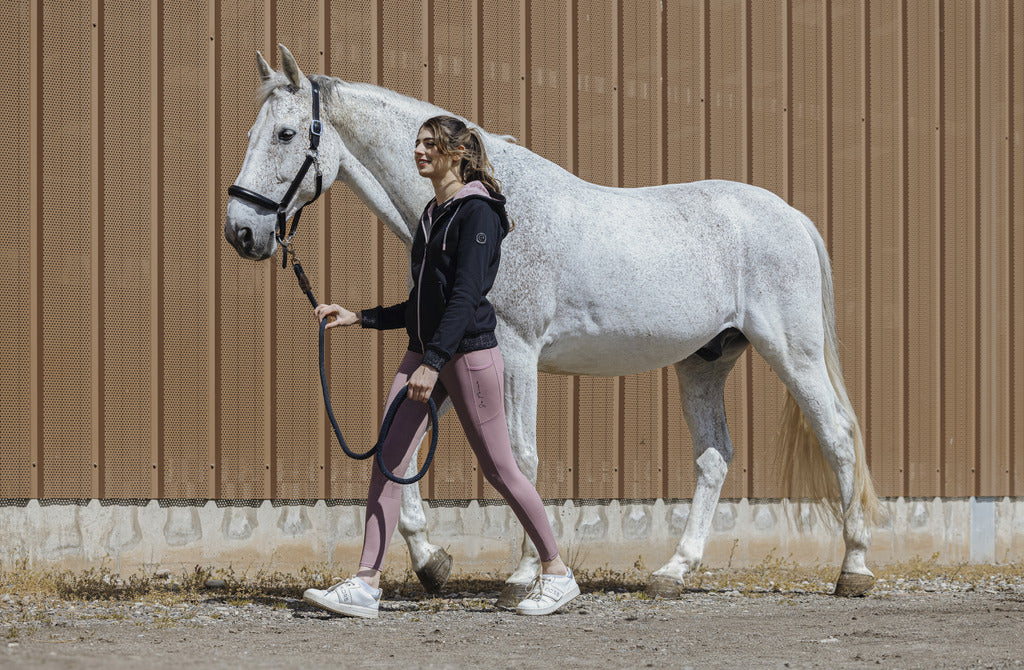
{"points": [[421, 384], [338, 315]]}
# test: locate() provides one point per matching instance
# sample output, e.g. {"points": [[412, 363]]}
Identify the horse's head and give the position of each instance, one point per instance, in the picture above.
{"points": [[279, 143]]}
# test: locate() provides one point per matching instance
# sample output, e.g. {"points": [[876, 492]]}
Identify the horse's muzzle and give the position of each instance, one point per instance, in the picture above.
{"points": [[247, 243]]}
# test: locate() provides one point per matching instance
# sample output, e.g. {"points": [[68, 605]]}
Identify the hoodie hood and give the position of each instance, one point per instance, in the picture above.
{"points": [[476, 189]]}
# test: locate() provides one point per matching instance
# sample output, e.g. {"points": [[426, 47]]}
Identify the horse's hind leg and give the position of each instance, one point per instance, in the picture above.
{"points": [[431, 563], [702, 390], [804, 371]]}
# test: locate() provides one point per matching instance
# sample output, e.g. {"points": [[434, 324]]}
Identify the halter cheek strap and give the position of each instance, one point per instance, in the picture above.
{"points": [[281, 208]]}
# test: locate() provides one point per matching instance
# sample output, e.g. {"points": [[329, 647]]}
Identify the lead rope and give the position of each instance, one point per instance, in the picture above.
{"points": [[389, 417]]}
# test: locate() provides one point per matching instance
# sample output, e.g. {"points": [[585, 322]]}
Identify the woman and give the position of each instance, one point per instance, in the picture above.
{"points": [[452, 353]]}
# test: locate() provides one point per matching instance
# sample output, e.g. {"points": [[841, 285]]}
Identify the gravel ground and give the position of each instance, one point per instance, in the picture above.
{"points": [[729, 622]]}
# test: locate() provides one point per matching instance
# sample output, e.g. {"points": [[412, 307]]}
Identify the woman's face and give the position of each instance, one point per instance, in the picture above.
{"points": [[430, 162]]}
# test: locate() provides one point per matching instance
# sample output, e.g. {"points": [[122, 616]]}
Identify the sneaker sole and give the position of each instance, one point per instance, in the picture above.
{"points": [[340, 608], [558, 604]]}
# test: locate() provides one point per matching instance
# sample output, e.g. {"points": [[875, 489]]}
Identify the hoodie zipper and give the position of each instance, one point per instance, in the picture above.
{"points": [[419, 283], [427, 229]]}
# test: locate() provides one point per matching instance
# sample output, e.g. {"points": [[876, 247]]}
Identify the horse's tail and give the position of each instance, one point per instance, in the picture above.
{"points": [[806, 473]]}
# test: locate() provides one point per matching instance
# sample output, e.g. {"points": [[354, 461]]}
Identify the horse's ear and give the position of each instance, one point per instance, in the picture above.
{"points": [[291, 68], [266, 72]]}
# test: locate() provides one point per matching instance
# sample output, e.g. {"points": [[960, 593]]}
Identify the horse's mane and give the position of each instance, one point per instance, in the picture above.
{"points": [[328, 88]]}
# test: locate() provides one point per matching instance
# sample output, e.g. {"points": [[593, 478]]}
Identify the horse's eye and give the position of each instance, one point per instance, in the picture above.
{"points": [[286, 134]]}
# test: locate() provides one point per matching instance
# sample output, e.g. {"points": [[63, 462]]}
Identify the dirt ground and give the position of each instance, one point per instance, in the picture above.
{"points": [[734, 622]]}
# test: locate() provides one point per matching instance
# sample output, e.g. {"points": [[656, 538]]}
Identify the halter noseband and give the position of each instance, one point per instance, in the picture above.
{"points": [[312, 158]]}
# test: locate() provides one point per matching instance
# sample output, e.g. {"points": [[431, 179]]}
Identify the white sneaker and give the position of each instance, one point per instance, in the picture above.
{"points": [[550, 592], [352, 597]]}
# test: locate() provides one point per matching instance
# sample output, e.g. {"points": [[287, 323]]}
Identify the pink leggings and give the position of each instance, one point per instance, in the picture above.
{"points": [[475, 382]]}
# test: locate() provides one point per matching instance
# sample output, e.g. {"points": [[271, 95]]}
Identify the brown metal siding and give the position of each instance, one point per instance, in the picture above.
{"points": [[70, 224], [922, 362], [146, 359], [16, 276], [184, 305]]}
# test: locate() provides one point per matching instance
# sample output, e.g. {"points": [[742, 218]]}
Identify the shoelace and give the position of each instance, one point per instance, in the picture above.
{"points": [[341, 585]]}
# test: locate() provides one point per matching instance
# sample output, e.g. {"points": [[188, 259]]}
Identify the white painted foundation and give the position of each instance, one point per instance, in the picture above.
{"points": [[485, 539]]}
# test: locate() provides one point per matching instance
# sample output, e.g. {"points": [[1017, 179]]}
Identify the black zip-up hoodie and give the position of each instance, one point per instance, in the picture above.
{"points": [[455, 256]]}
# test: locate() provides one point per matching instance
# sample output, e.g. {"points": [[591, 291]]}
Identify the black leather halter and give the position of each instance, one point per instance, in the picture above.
{"points": [[312, 158]]}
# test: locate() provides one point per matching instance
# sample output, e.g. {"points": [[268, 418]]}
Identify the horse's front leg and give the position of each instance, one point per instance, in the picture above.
{"points": [[431, 563], [521, 413]]}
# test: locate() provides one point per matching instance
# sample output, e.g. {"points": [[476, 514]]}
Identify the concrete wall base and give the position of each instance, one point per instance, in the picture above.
{"points": [[485, 538]]}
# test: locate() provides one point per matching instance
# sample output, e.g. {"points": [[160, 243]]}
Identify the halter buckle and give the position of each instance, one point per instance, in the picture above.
{"points": [[316, 127]]}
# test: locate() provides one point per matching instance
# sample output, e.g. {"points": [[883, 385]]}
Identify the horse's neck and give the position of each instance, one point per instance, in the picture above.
{"points": [[377, 127]]}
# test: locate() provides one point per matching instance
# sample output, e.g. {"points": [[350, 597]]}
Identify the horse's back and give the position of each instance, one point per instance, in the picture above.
{"points": [[642, 277]]}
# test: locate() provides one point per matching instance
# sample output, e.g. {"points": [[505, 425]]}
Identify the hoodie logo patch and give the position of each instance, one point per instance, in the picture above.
{"points": [[481, 238]]}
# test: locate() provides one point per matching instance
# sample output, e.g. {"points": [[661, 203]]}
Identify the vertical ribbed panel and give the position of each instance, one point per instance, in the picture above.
{"points": [[550, 82], [849, 194], [770, 169], [354, 235], [1015, 366], [504, 80], [504, 110], [599, 413], [404, 70], [642, 404], [959, 251], [729, 160], [924, 267], [68, 299], [245, 317], [126, 250], [885, 281], [15, 275], [686, 129], [550, 127], [455, 69], [185, 330], [297, 385], [994, 289]]}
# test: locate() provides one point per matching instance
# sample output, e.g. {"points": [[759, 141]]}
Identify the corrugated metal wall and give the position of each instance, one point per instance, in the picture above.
{"points": [[143, 358]]}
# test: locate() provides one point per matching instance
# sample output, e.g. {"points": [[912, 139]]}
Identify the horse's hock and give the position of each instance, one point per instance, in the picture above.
{"points": [[486, 538]]}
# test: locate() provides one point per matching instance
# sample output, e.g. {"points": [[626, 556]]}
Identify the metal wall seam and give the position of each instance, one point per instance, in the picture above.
{"points": [[978, 249], [904, 403], [940, 204], [573, 161], [213, 235], [619, 391], [35, 222], [477, 47], [322, 486], [270, 379], [664, 388], [96, 251], [865, 226], [156, 213], [1016, 195]]}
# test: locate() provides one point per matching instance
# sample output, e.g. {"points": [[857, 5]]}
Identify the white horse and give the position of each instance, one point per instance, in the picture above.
{"points": [[600, 281]]}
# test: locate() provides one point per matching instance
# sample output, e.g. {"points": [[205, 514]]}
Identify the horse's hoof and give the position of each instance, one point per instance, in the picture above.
{"points": [[512, 595], [434, 575], [852, 584], [666, 587]]}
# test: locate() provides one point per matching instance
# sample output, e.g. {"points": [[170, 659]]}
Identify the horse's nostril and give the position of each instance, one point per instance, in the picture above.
{"points": [[245, 238]]}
